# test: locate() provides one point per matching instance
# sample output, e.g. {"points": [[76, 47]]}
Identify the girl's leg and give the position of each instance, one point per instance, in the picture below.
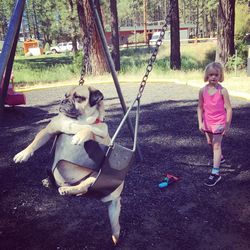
{"points": [[209, 137], [215, 177], [217, 139]]}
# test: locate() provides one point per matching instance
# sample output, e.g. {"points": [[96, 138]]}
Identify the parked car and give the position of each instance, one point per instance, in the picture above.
{"points": [[62, 47], [156, 36]]}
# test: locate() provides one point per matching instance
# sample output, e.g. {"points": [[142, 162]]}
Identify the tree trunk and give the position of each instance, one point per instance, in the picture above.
{"points": [[207, 33], [96, 64], [213, 23], [203, 19], [36, 28], [73, 30], [175, 55], [225, 31], [27, 11], [197, 20], [115, 52], [190, 11], [184, 11], [3, 23]]}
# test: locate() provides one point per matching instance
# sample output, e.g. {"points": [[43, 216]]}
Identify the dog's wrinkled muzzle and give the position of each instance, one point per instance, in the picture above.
{"points": [[67, 107]]}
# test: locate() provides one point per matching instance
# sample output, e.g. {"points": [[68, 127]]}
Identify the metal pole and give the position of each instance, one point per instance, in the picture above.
{"points": [[9, 48], [112, 69]]}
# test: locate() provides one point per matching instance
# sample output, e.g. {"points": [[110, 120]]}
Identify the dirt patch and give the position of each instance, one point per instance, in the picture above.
{"points": [[186, 215]]}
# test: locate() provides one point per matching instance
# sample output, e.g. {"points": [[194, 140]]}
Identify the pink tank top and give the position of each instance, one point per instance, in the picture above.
{"points": [[213, 107]]}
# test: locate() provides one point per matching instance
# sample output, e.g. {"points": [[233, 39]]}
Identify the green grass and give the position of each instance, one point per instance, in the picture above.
{"points": [[48, 69], [44, 69], [193, 57]]}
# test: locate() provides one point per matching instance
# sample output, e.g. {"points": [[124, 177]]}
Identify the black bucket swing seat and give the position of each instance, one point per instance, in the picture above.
{"points": [[112, 162]]}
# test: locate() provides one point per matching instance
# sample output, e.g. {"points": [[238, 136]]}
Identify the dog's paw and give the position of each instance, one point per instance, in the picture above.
{"points": [[67, 191], [22, 156], [62, 190], [78, 139], [115, 239], [72, 190]]}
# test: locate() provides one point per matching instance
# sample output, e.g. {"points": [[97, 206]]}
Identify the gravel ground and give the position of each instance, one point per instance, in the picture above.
{"points": [[185, 215]]}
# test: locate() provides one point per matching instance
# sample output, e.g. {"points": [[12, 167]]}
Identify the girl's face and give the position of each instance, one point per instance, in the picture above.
{"points": [[213, 76]]}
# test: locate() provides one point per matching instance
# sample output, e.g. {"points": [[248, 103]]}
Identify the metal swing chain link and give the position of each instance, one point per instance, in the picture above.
{"points": [[153, 57], [86, 49]]}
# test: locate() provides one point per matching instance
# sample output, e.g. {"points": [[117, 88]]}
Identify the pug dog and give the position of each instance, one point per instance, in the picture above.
{"points": [[81, 114]]}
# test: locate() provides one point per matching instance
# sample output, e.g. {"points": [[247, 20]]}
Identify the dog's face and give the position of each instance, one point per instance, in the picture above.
{"points": [[79, 100]]}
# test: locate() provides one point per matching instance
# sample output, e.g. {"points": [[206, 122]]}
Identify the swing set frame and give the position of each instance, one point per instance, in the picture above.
{"points": [[113, 153]]}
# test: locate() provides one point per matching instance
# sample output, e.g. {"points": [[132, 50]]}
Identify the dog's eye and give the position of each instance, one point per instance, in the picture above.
{"points": [[79, 98], [66, 95]]}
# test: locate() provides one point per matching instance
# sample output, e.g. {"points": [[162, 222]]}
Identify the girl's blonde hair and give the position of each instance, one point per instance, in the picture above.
{"points": [[217, 66]]}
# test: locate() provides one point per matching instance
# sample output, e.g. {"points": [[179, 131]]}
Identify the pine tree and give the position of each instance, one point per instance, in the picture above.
{"points": [[175, 56], [97, 62], [225, 31], [115, 52]]}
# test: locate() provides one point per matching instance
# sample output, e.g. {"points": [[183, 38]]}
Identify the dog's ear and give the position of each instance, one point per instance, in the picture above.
{"points": [[95, 96], [101, 110], [70, 92]]}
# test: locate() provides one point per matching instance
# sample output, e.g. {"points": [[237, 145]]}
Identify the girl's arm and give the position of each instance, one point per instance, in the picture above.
{"points": [[200, 110], [228, 108]]}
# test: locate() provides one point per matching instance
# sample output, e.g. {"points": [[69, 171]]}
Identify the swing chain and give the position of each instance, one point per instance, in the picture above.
{"points": [[86, 49], [153, 57]]}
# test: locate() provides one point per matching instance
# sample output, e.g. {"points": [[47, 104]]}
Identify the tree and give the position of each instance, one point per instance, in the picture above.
{"points": [[73, 23], [46, 18], [66, 22], [5, 14], [225, 31], [175, 55], [242, 20], [115, 52], [97, 62], [201, 13]]}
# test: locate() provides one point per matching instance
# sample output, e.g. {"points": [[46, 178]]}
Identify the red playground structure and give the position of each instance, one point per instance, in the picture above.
{"points": [[13, 98]]}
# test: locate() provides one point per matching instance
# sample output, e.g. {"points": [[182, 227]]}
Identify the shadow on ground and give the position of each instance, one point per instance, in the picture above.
{"points": [[186, 215]]}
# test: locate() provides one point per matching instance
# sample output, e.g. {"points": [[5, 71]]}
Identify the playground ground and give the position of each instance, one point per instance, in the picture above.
{"points": [[185, 215]]}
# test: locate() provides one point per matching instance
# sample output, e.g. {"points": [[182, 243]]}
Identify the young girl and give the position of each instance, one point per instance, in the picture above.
{"points": [[214, 115]]}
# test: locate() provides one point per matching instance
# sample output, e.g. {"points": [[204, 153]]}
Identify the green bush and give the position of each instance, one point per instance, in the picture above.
{"points": [[19, 49], [242, 50], [132, 64], [77, 62], [46, 47], [190, 63], [209, 56], [135, 51], [162, 64], [242, 30], [233, 62]]}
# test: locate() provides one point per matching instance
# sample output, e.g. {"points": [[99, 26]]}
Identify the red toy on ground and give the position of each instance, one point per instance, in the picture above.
{"points": [[168, 180]]}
